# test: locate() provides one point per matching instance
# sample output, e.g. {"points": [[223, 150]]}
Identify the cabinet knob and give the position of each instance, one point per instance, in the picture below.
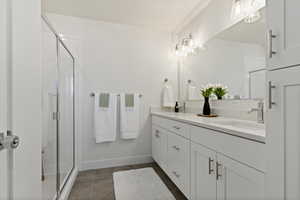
{"points": [[176, 127]]}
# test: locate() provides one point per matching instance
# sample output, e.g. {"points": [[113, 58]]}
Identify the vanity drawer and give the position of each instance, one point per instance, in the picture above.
{"points": [[178, 161], [173, 126]]}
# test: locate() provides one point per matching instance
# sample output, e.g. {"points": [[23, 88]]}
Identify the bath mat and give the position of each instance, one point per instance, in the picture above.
{"points": [[140, 184]]}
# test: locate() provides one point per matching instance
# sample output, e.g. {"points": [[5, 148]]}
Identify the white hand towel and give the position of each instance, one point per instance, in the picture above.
{"points": [[192, 93], [130, 118], [105, 120], [168, 96]]}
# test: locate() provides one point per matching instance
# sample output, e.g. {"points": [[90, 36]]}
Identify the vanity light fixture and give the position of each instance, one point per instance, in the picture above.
{"points": [[187, 46]]}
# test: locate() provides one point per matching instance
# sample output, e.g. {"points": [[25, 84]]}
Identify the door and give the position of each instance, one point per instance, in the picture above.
{"points": [[3, 99], [236, 181], [66, 121], [283, 139], [282, 20], [20, 98], [203, 179]]}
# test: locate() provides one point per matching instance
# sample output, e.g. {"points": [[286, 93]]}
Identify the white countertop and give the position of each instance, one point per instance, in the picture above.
{"points": [[255, 131]]}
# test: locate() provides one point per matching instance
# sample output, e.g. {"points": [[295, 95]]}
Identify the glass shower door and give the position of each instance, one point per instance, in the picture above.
{"points": [[49, 142], [66, 115]]}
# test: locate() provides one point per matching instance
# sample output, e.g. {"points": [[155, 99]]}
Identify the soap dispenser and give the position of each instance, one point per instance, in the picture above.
{"points": [[176, 107]]}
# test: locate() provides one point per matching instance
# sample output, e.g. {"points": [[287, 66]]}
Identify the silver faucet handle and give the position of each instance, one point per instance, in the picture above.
{"points": [[260, 104]]}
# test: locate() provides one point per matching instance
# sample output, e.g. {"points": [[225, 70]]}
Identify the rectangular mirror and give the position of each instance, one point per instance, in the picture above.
{"points": [[234, 58]]}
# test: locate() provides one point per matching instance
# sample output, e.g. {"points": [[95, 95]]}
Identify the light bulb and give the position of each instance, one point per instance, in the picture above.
{"points": [[238, 8], [252, 17]]}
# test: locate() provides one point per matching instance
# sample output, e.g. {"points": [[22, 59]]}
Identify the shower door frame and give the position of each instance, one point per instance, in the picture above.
{"points": [[60, 187]]}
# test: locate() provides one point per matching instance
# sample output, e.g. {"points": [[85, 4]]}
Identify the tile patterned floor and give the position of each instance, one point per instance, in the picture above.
{"points": [[98, 184]]}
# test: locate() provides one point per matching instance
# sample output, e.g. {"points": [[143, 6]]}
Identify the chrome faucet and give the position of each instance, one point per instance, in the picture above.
{"points": [[260, 112]]}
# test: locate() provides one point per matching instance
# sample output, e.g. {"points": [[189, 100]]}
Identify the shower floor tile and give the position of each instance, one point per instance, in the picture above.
{"points": [[98, 184]]}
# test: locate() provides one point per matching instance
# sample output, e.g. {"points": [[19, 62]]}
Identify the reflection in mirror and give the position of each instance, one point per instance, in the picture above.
{"points": [[234, 58]]}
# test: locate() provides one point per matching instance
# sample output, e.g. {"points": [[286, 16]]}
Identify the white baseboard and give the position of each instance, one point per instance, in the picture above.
{"points": [[132, 160], [68, 187]]}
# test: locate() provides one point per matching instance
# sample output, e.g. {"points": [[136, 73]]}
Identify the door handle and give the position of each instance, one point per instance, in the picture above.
{"points": [[271, 36], [271, 87], [218, 174], [210, 169], [9, 142]]}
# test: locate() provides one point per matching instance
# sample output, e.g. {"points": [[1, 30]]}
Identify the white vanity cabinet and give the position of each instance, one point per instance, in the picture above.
{"points": [[208, 164], [283, 24]]}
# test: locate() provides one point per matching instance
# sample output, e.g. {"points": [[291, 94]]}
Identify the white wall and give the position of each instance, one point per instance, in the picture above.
{"points": [[117, 58], [224, 62]]}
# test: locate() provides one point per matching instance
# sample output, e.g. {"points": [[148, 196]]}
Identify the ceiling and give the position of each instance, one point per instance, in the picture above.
{"points": [[165, 15]]}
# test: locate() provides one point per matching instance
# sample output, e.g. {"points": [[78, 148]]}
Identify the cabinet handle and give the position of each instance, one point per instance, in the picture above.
{"points": [[176, 127], [176, 148], [271, 36], [176, 174], [218, 174], [210, 169], [157, 133], [271, 103]]}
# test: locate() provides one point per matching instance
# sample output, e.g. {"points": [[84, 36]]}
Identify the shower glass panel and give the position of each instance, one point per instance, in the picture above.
{"points": [[49, 143], [58, 152], [66, 115]]}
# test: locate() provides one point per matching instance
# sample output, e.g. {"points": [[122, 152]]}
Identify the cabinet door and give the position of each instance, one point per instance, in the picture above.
{"points": [[159, 147], [179, 162], [236, 181], [282, 19], [156, 143], [283, 139], [203, 179]]}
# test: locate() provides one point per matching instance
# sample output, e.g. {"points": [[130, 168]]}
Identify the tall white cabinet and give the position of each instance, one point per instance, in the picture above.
{"points": [[283, 139], [284, 30], [283, 114]]}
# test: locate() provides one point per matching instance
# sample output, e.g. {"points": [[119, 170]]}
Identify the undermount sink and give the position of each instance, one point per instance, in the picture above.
{"points": [[240, 124]]}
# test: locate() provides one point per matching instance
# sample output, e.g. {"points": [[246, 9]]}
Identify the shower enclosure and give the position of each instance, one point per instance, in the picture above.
{"points": [[58, 151]]}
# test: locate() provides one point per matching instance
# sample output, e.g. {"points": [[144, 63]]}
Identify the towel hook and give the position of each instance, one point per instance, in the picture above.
{"points": [[166, 80], [189, 81]]}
